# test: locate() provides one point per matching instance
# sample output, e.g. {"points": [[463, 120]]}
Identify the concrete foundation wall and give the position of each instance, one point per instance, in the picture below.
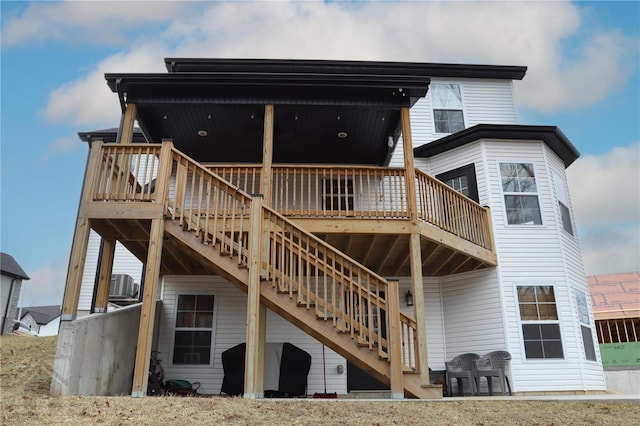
{"points": [[96, 354], [626, 382]]}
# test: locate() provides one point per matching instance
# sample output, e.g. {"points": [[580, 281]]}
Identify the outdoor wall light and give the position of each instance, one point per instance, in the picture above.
{"points": [[408, 298], [340, 368]]}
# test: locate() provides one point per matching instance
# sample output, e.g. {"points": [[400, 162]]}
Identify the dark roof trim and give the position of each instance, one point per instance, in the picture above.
{"points": [[9, 266], [188, 65], [109, 136], [551, 135]]}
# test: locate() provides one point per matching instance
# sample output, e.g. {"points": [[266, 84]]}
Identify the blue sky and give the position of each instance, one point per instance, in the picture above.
{"points": [[583, 77]]}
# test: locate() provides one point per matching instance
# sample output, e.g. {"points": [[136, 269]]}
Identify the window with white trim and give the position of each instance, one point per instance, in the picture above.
{"points": [[520, 194], [585, 324], [540, 324], [446, 101], [563, 202], [192, 344]]}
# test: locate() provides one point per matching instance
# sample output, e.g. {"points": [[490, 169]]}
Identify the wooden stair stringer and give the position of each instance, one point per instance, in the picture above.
{"points": [[303, 318]]}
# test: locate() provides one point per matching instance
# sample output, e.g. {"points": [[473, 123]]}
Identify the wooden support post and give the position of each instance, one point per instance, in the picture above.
{"points": [[125, 133], [147, 316], [80, 238], [104, 274], [255, 349], [414, 248], [410, 171], [395, 341], [418, 307], [151, 279], [266, 175]]}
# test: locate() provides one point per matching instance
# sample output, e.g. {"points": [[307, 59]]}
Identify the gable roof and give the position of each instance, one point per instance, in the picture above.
{"points": [[551, 135], [42, 314], [9, 266], [615, 295]]}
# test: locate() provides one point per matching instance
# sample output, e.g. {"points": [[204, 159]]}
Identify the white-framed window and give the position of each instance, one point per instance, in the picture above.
{"points": [[194, 329], [520, 194], [539, 320], [585, 324], [338, 195], [563, 202], [446, 102]]}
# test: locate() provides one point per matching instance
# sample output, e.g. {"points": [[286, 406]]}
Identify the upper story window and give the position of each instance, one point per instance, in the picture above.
{"points": [[520, 194], [463, 180], [563, 202], [194, 329], [540, 325], [446, 100]]}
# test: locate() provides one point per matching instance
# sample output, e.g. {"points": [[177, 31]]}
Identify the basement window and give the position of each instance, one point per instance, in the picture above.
{"points": [[194, 329]]}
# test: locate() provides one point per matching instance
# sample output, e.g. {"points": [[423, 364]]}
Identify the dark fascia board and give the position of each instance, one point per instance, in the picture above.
{"points": [[416, 85], [551, 135], [109, 136], [189, 65]]}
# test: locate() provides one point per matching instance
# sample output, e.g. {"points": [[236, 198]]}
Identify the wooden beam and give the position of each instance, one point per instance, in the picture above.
{"points": [[104, 275], [253, 360], [369, 250], [80, 239], [410, 171], [147, 316], [125, 134], [389, 252], [75, 270], [418, 307], [152, 277], [266, 175], [395, 341], [355, 226]]}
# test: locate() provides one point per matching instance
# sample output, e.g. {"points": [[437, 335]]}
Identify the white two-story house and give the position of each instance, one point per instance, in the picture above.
{"points": [[384, 217]]}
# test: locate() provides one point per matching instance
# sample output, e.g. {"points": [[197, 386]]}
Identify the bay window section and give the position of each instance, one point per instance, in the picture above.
{"points": [[520, 194]]}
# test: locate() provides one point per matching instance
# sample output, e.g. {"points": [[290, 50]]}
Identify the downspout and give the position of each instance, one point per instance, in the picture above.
{"points": [[6, 311]]}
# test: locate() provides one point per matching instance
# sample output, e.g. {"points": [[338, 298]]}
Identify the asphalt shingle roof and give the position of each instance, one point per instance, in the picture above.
{"points": [[42, 314], [9, 266]]}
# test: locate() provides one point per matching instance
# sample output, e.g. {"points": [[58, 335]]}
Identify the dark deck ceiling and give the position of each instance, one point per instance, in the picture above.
{"points": [[337, 112]]}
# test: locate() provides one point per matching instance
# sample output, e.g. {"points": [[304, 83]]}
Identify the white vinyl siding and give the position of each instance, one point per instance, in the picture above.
{"points": [[484, 101], [472, 313]]}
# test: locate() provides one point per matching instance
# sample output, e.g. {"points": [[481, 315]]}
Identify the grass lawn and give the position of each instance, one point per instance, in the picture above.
{"points": [[25, 374]]}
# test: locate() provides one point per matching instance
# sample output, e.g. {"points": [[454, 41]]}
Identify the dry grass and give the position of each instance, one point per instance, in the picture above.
{"points": [[24, 400]]}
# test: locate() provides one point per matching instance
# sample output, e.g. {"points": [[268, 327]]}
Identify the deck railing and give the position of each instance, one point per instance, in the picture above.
{"points": [[365, 193], [313, 273]]}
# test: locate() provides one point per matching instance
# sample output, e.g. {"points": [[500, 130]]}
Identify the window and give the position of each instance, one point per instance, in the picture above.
{"points": [[337, 194], [585, 326], [540, 326], [446, 100], [520, 194], [563, 202], [463, 180], [194, 329]]}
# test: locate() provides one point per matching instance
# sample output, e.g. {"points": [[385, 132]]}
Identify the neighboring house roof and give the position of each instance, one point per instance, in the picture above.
{"points": [[9, 266], [551, 135], [42, 314], [615, 295]]}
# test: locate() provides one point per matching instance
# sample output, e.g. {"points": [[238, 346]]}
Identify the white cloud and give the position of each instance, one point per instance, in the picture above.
{"points": [[605, 192], [606, 188], [46, 286], [529, 33], [77, 22]]}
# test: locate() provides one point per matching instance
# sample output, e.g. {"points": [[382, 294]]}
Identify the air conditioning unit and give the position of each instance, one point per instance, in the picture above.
{"points": [[121, 286]]}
